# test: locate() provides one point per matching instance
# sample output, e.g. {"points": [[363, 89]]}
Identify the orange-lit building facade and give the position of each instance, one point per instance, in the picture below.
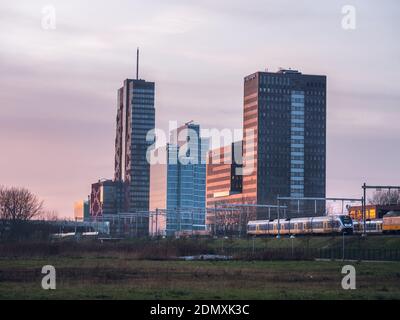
{"points": [[284, 139], [371, 211], [158, 193], [284, 145], [223, 179], [224, 188], [81, 210]]}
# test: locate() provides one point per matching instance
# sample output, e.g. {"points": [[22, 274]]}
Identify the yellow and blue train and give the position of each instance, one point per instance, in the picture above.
{"points": [[391, 222], [301, 226], [335, 224]]}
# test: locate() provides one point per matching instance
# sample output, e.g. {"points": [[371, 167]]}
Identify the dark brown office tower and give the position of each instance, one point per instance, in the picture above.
{"points": [[284, 143]]}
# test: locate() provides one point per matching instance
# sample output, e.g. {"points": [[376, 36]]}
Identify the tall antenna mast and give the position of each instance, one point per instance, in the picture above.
{"points": [[137, 64]]}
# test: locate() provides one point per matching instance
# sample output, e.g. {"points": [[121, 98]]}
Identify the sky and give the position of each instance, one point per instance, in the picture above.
{"points": [[58, 86]]}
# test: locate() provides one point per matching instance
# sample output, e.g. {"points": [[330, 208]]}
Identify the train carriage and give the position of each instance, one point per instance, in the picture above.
{"points": [[301, 226], [391, 222], [372, 226]]}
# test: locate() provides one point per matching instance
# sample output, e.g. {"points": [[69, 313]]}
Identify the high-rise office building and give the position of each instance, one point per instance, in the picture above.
{"points": [[186, 179], [284, 151], [178, 183], [135, 118], [285, 138], [124, 201]]}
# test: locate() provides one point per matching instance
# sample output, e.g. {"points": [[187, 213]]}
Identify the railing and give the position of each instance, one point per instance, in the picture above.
{"points": [[310, 254]]}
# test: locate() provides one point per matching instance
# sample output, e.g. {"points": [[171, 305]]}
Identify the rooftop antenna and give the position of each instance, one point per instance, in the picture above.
{"points": [[137, 63]]}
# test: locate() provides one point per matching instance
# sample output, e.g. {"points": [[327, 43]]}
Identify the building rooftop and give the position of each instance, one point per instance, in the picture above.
{"points": [[288, 71]]}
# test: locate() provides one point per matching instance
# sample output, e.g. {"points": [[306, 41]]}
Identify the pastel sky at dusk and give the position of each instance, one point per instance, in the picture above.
{"points": [[58, 87]]}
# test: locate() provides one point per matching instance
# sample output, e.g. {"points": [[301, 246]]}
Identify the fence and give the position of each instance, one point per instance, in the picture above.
{"points": [[310, 254]]}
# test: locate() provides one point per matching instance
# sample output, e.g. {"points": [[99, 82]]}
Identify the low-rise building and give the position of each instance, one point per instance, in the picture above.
{"points": [[107, 197], [225, 215], [81, 210], [371, 211]]}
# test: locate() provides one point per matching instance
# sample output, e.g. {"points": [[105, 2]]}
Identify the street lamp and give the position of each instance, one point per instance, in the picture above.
{"points": [[292, 240], [279, 221]]}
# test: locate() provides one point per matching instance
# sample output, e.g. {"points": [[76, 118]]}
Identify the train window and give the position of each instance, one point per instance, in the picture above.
{"points": [[346, 219], [317, 225], [336, 224], [392, 214]]}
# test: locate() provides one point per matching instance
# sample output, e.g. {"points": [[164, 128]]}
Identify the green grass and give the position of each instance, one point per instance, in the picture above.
{"points": [[124, 278], [90, 270], [165, 248], [351, 242]]}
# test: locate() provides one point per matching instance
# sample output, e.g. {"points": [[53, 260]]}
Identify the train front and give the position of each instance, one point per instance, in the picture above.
{"points": [[346, 224]]}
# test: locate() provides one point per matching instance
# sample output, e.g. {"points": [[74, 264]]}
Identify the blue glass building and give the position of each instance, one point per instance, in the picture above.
{"points": [[186, 180]]}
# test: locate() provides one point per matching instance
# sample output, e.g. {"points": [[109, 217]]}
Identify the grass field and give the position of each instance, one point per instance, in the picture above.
{"points": [[146, 248], [102, 277], [351, 242], [144, 269]]}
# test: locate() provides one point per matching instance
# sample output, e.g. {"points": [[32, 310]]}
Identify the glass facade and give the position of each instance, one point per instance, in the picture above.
{"points": [[287, 110], [297, 144], [135, 118], [186, 182]]}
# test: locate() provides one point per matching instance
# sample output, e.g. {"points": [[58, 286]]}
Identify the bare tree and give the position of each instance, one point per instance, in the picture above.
{"points": [[231, 221], [48, 215], [19, 204], [330, 209], [385, 197]]}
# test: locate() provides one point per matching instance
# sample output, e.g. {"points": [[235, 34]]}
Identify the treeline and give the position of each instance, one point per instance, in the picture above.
{"points": [[22, 230], [135, 248], [18, 206]]}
